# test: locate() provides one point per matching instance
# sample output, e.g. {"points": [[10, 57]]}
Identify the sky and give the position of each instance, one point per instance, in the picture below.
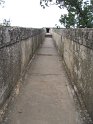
{"points": [[29, 13]]}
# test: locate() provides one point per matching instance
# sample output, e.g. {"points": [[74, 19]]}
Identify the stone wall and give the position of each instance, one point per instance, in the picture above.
{"points": [[17, 46], [76, 48]]}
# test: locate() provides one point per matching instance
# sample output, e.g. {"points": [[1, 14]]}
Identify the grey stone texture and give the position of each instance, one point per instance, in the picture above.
{"points": [[76, 48], [45, 96], [17, 46]]}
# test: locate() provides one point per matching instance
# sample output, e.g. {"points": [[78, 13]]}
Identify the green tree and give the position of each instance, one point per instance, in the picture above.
{"points": [[80, 13]]}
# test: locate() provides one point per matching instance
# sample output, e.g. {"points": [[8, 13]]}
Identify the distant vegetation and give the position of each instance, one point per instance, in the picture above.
{"points": [[5, 21]]}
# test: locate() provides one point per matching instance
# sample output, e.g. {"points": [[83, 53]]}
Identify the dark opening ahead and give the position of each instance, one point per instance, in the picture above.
{"points": [[47, 30]]}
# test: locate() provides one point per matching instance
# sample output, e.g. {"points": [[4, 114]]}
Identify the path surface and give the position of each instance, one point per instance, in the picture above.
{"points": [[44, 98]]}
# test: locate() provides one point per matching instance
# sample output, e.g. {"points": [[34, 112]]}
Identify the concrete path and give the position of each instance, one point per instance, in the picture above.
{"points": [[44, 97]]}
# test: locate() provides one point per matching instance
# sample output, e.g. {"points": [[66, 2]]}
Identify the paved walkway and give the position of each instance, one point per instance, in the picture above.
{"points": [[44, 97]]}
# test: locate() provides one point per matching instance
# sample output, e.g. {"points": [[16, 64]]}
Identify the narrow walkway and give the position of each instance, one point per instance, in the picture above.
{"points": [[44, 97]]}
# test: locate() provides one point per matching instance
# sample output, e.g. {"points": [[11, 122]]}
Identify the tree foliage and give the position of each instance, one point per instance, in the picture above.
{"points": [[80, 13], [2, 2], [6, 22]]}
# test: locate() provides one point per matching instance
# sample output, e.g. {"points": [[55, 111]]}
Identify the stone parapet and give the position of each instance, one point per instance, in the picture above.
{"points": [[17, 47], [76, 48]]}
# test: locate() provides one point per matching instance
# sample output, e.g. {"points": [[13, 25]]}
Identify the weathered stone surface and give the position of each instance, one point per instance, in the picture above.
{"points": [[15, 34], [45, 96], [76, 47], [17, 46]]}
